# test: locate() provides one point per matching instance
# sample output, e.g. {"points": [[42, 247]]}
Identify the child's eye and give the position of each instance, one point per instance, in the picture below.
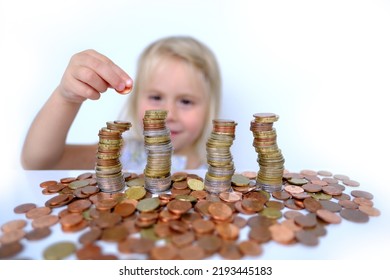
{"points": [[155, 97], [186, 102]]}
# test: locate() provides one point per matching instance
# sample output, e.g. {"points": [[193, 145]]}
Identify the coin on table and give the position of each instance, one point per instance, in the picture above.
{"points": [[328, 216], [45, 221], [354, 215], [195, 184], [13, 225], [24, 208], [37, 212], [59, 250], [38, 233]]}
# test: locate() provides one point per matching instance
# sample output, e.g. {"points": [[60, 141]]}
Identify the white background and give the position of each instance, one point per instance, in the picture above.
{"points": [[322, 66]]}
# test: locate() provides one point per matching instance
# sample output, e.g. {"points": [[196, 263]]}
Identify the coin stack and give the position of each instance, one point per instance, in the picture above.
{"points": [[108, 167], [270, 158], [159, 149], [220, 161]]}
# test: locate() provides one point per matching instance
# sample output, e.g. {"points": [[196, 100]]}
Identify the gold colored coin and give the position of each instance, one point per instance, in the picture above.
{"points": [[195, 184], [148, 204], [135, 192], [59, 251]]}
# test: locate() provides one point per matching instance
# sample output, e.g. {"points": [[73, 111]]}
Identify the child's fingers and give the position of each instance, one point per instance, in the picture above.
{"points": [[88, 76], [79, 91], [111, 73]]}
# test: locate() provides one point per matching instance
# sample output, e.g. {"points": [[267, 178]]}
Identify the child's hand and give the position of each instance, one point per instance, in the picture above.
{"points": [[89, 74]]}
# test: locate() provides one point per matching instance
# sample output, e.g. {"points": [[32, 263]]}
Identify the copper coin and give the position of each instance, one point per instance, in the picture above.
{"points": [[47, 183], [38, 233], [306, 221], [249, 174], [310, 187], [331, 205], [239, 221], [164, 252], [71, 220], [178, 226], [89, 252], [124, 209], [59, 200], [180, 185], [363, 201], [55, 188], [90, 236], [307, 238], [199, 194], [191, 252], [203, 226], [293, 189], [251, 204], [369, 210], [12, 236], [230, 196], [260, 234], [45, 221], [259, 221], [341, 177], [351, 183], [184, 239], [209, 243], [354, 215], [359, 193], [281, 234], [281, 195], [250, 248], [220, 211], [324, 173], [230, 251], [24, 208], [79, 205], [13, 225], [228, 231], [328, 216], [38, 212], [311, 204], [291, 214], [290, 203], [10, 250], [332, 190], [179, 207], [107, 220], [290, 223], [116, 233], [348, 204]]}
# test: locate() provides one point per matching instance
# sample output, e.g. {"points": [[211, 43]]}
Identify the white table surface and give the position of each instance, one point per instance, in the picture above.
{"points": [[344, 241]]}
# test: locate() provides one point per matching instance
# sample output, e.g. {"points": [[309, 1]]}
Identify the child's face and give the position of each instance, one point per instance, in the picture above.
{"points": [[180, 89]]}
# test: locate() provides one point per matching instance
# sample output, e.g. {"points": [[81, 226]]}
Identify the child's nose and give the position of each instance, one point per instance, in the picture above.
{"points": [[172, 112]]}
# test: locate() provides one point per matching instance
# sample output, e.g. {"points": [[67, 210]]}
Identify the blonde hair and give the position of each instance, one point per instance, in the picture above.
{"points": [[195, 54]]}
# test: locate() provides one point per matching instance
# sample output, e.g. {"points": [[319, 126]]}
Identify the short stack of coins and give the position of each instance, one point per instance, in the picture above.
{"points": [[270, 159], [220, 161], [159, 149], [108, 167]]}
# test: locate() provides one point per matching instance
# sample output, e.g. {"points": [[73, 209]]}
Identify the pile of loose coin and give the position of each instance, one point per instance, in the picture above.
{"points": [[270, 158], [159, 151], [108, 167], [219, 158], [187, 222]]}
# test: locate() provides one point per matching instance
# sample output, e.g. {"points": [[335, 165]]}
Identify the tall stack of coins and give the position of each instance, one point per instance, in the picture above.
{"points": [[270, 158], [159, 148], [108, 167], [220, 161]]}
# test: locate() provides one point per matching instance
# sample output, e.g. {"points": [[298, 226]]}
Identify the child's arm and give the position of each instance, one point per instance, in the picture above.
{"points": [[86, 77]]}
